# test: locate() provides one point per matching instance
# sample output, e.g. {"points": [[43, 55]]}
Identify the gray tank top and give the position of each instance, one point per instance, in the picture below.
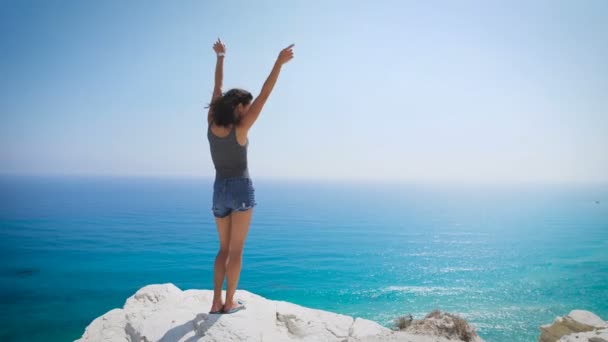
{"points": [[229, 157]]}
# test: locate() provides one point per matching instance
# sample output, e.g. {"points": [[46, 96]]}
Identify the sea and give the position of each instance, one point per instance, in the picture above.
{"points": [[506, 257]]}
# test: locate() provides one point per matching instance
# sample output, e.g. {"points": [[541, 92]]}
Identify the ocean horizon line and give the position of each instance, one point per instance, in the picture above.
{"points": [[346, 181]]}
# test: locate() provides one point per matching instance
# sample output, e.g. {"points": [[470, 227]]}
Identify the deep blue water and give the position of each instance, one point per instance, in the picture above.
{"points": [[507, 258]]}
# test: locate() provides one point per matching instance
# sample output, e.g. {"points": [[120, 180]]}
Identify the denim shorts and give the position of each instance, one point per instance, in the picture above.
{"points": [[233, 193]]}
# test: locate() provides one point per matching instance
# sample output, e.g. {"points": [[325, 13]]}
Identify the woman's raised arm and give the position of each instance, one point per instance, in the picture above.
{"points": [[256, 107], [220, 50]]}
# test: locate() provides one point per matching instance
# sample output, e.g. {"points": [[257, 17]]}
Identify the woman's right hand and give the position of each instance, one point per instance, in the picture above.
{"points": [[285, 55]]}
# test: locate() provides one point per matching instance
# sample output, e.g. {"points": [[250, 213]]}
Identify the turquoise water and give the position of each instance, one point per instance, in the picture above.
{"points": [[507, 258]]}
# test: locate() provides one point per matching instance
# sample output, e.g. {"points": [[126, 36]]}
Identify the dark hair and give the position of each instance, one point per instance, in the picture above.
{"points": [[222, 108]]}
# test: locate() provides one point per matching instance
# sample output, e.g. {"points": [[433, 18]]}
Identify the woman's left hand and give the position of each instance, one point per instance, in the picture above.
{"points": [[219, 47]]}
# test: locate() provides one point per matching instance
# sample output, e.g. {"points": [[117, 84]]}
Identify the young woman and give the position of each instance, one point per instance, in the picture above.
{"points": [[231, 115]]}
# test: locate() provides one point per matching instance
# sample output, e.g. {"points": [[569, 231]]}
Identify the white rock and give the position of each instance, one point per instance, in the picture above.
{"points": [[402, 336], [587, 318], [363, 327], [567, 328], [162, 312], [589, 336]]}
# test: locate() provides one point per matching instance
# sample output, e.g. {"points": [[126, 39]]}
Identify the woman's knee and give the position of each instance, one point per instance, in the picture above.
{"points": [[223, 253], [235, 253]]}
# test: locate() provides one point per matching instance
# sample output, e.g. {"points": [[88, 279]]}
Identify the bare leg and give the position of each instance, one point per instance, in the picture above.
{"points": [[219, 269], [238, 233]]}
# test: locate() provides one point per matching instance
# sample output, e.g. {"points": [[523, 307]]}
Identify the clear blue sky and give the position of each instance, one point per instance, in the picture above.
{"points": [[411, 91]]}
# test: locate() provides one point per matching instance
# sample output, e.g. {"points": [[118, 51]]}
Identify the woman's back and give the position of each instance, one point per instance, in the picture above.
{"points": [[228, 155]]}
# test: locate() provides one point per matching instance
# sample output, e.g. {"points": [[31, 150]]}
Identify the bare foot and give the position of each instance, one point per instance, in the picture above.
{"points": [[229, 306], [216, 306]]}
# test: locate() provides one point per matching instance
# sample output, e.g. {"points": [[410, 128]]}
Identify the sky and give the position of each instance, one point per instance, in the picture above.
{"points": [[404, 91]]}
